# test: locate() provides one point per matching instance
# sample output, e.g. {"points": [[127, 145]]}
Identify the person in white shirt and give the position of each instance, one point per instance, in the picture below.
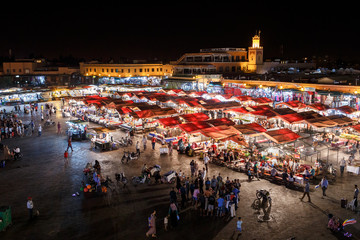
{"points": [[30, 206], [206, 161], [342, 165]]}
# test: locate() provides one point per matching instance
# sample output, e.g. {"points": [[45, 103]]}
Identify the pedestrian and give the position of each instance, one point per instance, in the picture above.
{"points": [[324, 185], [30, 207], [220, 206], [39, 130], [342, 165], [59, 128], [152, 225], [166, 222], [306, 191], [170, 146], [239, 227], [356, 194], [138, 148], [66, 155], [174, 215], [153, 141], [144, 140], [206, 161], [192, 167], [69, 145]]}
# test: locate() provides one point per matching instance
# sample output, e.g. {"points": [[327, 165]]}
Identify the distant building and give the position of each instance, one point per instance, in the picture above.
{"points": [[230, 61], [125, 70], [38, 72]]}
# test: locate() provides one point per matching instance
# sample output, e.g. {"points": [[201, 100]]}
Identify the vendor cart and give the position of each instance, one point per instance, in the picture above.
{"points": [[169, 177]]}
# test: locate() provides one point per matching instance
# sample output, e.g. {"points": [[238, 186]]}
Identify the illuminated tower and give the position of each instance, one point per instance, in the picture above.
{"points": [[255, 53]]}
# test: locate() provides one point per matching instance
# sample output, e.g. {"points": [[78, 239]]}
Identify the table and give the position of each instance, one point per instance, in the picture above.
{"points": [[353, 169]]}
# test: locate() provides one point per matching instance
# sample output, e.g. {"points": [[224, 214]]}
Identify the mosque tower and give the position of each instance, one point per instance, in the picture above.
{"points": [[255, 54]]}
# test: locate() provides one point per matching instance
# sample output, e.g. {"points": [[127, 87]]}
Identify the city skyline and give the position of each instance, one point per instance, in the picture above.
{"points": [[163, 32]]}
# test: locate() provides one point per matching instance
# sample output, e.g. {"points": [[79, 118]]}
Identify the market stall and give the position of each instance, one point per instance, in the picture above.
{"points": [[77, 129]]}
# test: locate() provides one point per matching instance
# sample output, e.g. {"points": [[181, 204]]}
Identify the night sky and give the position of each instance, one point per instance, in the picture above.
{"points": [[144, 31]]}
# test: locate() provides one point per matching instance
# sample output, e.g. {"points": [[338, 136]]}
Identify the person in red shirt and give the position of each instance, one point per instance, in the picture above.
{"points": [[69, 145], [66, 155], [153, 141]]}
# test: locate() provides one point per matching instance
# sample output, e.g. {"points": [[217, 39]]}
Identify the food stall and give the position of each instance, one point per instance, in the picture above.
{"points": [[77, 129]]}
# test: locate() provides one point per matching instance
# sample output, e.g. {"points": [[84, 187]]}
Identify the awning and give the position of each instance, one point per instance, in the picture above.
{"points": [[356, 127], [170, 121], [341, 120], [220, 132], [237, 110], [291, 118], [221, 121], [265, 113], [194, 126], [318, 107], [293, 104], [262, 100], [346, 109], [194, 117], [250, 129], [281, 136]]}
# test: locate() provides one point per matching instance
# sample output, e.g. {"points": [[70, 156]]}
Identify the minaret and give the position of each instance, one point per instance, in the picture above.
{"points": [[255, 54]]}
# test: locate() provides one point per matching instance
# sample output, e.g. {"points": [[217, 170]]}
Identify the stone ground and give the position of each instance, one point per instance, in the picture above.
{"points": [[122, 214]]}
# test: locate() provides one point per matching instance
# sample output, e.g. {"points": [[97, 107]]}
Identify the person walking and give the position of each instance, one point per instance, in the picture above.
{"points": [[306, 191], [138, 148], [144, 140], [324, 185], [356, 194], [69, 145], [39, 130], [59, 128], [30, 207], [152, 225], [206, 161], [342, 166], [153, 141], [238, 227]]}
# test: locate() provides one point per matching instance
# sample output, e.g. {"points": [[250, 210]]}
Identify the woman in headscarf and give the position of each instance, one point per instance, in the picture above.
{"points": [[152, 225], [173, 213]]}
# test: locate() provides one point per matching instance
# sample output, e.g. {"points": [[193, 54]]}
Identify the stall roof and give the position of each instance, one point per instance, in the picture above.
{"points": [[194, 117], [262, 100], [281, 136], [321, 122], [346, 109], [292, 118], [293, 104], [237, 110], [221, 121], [318, 107], [123, 110], [340, 119], [243, 98], [265, 113], [220, 132], [356, 127], [194, 126], [170, 121], [250, 129], [221, 105]]}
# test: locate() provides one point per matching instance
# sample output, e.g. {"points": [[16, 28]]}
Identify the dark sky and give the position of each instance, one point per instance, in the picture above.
{"points": [[142, 31]]}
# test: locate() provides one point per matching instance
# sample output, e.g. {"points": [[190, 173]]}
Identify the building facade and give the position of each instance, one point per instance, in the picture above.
{"points": [[221, 60], [38, 72], [125, 70]]}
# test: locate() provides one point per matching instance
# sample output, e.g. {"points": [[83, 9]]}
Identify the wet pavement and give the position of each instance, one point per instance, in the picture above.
{"points": [[122, 214]]}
